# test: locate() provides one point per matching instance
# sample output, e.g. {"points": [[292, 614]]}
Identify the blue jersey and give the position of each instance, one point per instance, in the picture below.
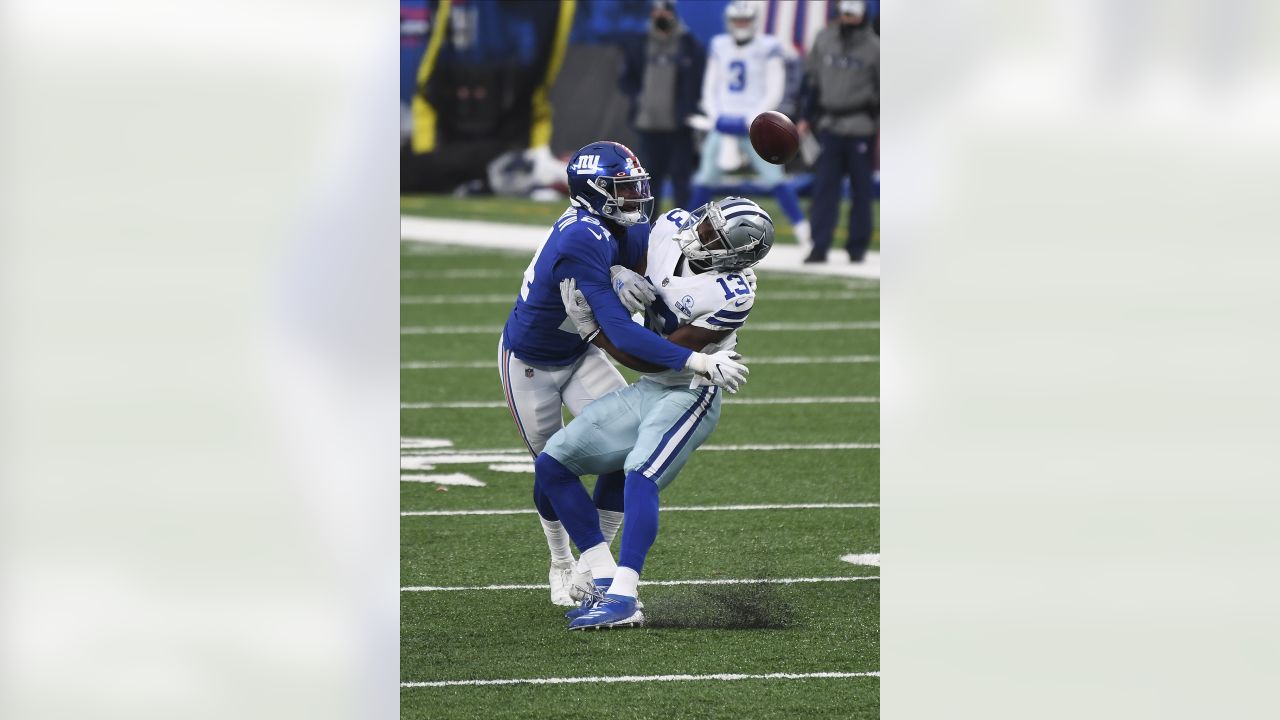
{"points": [[539, 332]]}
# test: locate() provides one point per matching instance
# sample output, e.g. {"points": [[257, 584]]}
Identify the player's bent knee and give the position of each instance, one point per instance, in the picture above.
{"points": [[547, 470]]}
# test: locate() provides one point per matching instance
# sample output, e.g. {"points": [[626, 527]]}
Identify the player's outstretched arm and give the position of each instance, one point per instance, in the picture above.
{"points": [[616, 322], [722, 368], [694, 338]]}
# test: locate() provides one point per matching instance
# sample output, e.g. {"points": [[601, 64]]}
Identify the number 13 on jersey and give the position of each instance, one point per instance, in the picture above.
{"points": [[741, 289]]}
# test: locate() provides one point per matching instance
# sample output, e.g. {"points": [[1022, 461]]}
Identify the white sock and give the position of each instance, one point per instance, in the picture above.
{"points": [[600, 560], [801, 230], [557, 541], [610, 521], [625, 581]]}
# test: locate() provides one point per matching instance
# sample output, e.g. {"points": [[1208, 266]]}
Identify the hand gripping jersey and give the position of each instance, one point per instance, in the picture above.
{"points": [[743, 80], [539, 332], [719, 301]]}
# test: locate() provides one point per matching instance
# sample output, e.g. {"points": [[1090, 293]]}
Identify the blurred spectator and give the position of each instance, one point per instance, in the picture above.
{"points": [[662, 74], [842, 102], [745, 77], [483, 91]]}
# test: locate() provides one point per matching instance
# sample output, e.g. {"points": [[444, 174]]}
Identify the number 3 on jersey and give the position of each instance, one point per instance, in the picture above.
{"points": [[742, 288], [737, 76]]}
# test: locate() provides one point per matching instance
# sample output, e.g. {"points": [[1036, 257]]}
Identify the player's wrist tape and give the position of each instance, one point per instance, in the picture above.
{"points": [[592, 335]]}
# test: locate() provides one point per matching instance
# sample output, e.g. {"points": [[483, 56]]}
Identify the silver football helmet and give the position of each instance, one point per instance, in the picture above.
{"points": [[740, 20], [726, 235]]}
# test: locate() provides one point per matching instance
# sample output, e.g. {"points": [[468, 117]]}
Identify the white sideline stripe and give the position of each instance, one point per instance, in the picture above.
{"points": [[525, 239], [650, 583], [674, 508], [508, 298], [641, 678], [758, 327], [778, 360], [445, 457], [489, 404]]}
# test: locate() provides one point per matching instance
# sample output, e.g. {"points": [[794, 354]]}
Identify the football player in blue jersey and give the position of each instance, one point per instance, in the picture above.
{"points": [[651, 428], [600, 242]]}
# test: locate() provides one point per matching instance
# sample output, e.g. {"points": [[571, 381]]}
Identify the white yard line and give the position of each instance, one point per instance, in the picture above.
{"points": [[412, 460], [490, 404], [643, 678], [648, 583], [775, 360], [673, 508], [862, 559], [758, 327], [508, 298], [444, 479]]}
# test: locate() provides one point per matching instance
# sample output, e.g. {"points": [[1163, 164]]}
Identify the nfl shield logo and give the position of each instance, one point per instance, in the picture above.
{"points": [[666, 281], [528, 372]]}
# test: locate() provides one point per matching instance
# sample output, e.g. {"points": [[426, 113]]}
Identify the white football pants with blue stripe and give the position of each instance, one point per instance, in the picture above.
{"points": [[535, 393], [648, 427]]}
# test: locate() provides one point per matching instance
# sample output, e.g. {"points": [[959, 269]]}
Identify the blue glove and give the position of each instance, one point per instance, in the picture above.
{"points": [[730, 125]]}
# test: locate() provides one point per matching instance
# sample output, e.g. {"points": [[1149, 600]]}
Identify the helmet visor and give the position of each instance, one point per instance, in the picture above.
{"points": [[632, 195]]}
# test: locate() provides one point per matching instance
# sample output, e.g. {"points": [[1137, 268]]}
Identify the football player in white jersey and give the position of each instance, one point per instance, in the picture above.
{"points": [[651, 428], [745, 76]]}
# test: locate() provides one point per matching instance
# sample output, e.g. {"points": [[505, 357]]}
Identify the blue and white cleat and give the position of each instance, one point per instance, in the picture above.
{"points": [[614, 611], [591, 594]]}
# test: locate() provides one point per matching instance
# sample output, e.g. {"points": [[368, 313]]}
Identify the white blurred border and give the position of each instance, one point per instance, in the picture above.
{"points": [[200, 300], [1078, 358]]}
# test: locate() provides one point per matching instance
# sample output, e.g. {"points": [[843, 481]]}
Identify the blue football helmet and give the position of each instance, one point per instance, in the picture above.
{"points": [[606, 179]]}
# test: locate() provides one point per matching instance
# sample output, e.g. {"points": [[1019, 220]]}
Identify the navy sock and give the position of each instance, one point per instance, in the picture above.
{"points": [[543, 503], [571, 502], [790, 202], [609, 489], [640, 522]]}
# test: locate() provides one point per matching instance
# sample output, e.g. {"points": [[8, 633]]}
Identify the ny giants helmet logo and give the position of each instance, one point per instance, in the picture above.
{"points": [[586, 165]]}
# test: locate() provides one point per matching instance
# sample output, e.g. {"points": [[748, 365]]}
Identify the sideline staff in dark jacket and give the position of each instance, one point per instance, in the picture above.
{"points": [[842, 103], [662, 73]]}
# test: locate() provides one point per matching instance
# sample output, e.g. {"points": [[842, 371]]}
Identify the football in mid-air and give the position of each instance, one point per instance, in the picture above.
{"points": [[774, 137]]}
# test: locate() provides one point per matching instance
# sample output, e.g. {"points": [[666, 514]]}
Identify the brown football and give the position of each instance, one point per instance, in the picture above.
{"points": [[774, 137]]}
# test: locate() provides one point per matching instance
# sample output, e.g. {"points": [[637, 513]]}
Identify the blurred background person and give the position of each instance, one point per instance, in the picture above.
{"points": [[842, 104], [482, 90], [746, 75], [662, 74]]}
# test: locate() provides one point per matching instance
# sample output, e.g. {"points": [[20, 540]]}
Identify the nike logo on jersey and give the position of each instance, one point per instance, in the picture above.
{"points": [[593, 232], [741, 302]]}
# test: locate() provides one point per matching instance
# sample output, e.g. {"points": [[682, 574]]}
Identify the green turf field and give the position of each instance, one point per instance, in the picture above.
{"points": [[455, 301], [543, 213]]}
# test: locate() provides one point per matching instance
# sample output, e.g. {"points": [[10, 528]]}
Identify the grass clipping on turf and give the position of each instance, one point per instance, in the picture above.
{"points": [[753, 606]]}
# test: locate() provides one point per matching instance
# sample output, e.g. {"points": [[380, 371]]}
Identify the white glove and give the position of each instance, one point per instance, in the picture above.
{"points": [[633, 289], [750, 276], [721, 368], [576, 307]]}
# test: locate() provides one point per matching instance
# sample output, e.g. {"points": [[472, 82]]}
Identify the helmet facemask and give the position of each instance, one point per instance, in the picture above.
{"points": [[629, 203], [706, 241], [740, 21]]}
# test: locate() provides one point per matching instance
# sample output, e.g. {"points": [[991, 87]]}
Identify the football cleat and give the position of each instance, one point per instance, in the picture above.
{"points": [[592, 594], [562, 577], [584, 588], [613, 611]]}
